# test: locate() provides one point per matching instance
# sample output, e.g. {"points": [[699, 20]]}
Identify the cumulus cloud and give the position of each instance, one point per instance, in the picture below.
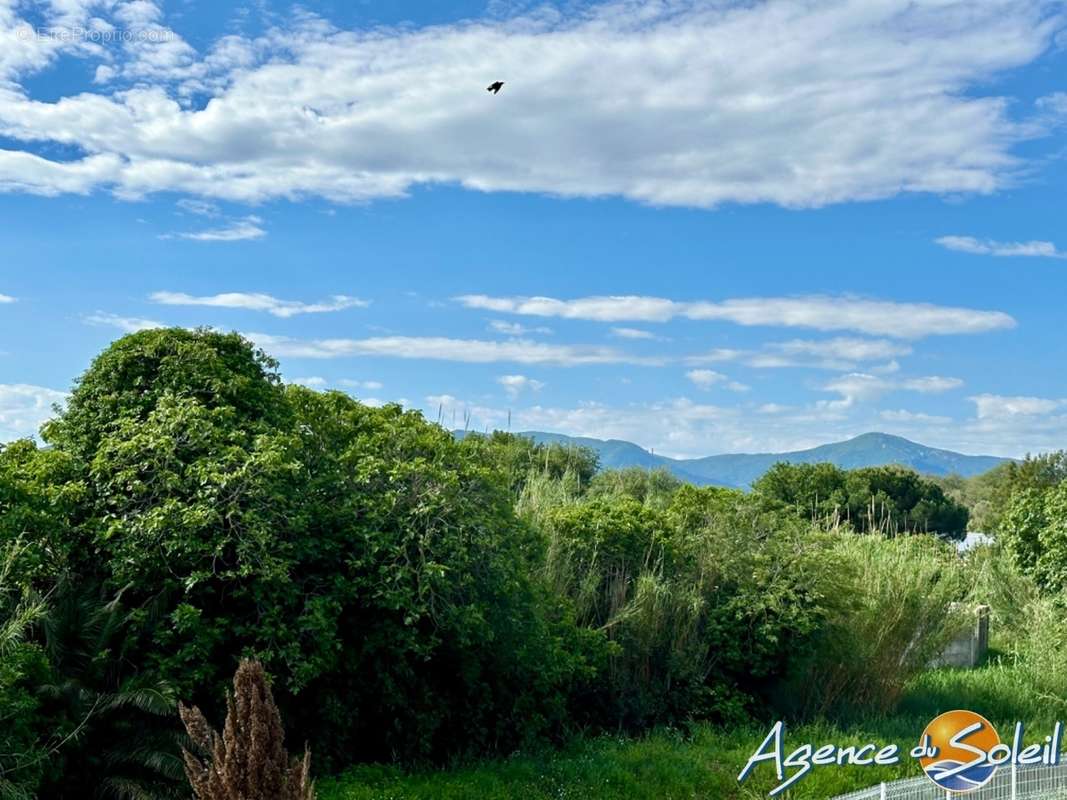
{"points": [[989, 247], [124, 324], [707, 378], [1015, 425], [859, 387], [440, 348], [515, 385], [6, 298], [256, 301], [672, 107], [874, 317], [855, 388], [992, 406], [23, 409]]}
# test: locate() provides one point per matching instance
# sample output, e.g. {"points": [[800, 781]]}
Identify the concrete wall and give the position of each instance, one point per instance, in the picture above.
{"points": [[969, 647]]}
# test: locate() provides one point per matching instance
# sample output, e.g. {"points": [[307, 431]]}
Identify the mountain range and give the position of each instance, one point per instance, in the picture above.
{"points": [[741, 469]]}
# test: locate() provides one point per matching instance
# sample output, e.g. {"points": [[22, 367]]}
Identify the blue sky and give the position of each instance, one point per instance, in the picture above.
{"points": [[701, 226]]}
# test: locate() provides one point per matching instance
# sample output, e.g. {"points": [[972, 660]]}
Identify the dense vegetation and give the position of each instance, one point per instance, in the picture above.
{"points": [[888, 500], [417, 599]]}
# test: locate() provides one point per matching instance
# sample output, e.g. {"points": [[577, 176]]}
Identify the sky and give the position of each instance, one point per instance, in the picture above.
{"points": [[703, 226]]}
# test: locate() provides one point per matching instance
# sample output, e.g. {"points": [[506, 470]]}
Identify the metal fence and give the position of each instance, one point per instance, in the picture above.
{"points": [[1019, 783]]}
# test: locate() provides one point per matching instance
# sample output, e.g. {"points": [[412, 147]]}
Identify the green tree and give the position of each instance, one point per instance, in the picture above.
{"points": [[374, 564], [888, 500]]}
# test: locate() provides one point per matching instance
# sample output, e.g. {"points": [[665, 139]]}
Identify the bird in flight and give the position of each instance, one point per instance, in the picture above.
{"points": [[495, 87]]}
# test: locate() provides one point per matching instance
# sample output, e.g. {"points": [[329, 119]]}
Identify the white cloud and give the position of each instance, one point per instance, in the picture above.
{"points": [[6, 298], [874, 317], [991, 406], [125, 324], [256, 301], [313, 382], [1054, 106], [707, 378], [716, 356], [671, 107], [23, 408], [839, 353], [633, 333], [369, 385], [515, 328], [988, 247], [240, 230], [855, 388], [859, 387], [1015, 425], [773, 408], [514, 385], [440, 348], [912, 417], [933, 384], [201, 208]]}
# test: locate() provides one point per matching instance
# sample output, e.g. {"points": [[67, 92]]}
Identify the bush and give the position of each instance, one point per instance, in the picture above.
{"points": [[517, 459], [652, 487], [374, 564], [898, 612], [706, 603]]}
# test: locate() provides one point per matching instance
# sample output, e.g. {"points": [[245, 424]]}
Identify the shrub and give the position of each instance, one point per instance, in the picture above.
{"points": [[516, 459], [897, 614], [768, 583], [706, 603], [652, 487], [374, 564]]}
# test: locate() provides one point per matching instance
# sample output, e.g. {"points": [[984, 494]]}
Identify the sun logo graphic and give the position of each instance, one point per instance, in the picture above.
{"points": [[960, 751]]}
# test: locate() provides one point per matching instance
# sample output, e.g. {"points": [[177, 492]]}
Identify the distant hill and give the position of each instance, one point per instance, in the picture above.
{"points": [[740, 470]]}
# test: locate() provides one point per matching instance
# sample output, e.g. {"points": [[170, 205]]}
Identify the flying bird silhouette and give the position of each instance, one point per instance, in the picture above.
{"points": [[495, 87]]}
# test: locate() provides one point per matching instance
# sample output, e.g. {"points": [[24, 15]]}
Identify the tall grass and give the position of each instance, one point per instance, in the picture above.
{"points": [[1028, 629], [899, 609]]}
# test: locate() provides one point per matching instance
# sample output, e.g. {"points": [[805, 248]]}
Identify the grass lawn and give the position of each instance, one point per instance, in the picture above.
{"points": [[667, 765]]}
